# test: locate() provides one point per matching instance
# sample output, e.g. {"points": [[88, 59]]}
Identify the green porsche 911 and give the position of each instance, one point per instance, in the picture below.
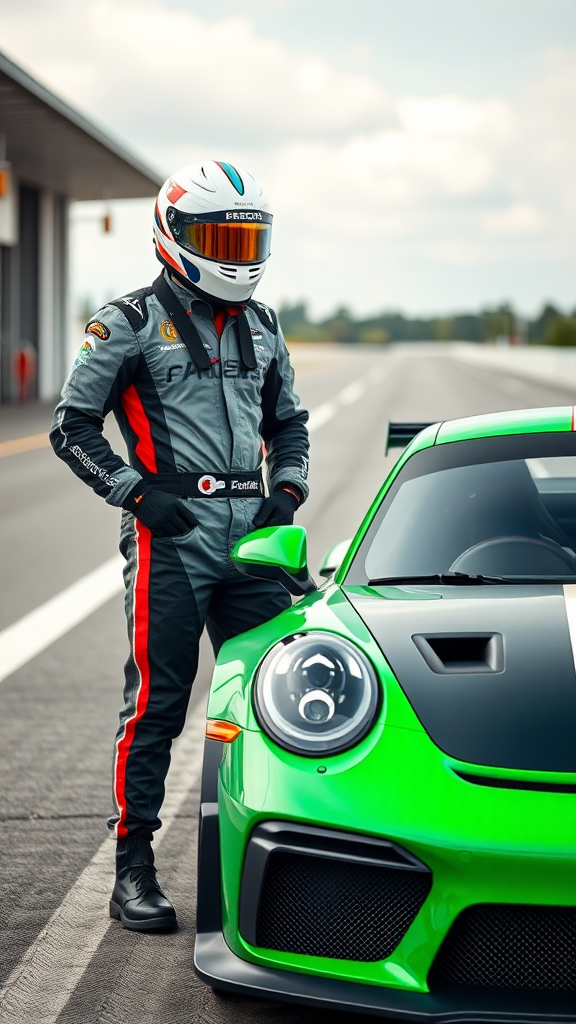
{"points": [[388, 814]]}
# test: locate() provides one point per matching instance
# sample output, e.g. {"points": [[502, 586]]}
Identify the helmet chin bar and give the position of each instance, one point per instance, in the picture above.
{"points": [[220, 287], [185, 283]]}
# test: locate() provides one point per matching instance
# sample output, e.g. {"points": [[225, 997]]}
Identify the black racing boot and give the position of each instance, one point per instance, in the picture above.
{"points": [[138, 901]]}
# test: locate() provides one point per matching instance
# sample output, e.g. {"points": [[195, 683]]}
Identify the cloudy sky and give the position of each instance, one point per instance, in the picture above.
{"points": [[418, 154]]}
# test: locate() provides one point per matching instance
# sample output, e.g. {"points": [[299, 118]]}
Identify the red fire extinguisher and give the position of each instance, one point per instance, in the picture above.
{"points": [[24, 370]]}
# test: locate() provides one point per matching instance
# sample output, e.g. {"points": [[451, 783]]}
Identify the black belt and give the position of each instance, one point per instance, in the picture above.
{"points": [[209, 485]]}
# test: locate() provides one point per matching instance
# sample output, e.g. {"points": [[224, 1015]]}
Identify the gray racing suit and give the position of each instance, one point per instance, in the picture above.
{"points": [[178, 419]]}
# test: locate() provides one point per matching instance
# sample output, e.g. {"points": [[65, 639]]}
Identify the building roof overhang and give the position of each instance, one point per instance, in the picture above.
{"points": [[51, 145]]}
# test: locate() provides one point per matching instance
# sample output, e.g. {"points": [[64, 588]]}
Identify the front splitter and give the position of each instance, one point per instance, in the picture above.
{"points": [[219, 967]]}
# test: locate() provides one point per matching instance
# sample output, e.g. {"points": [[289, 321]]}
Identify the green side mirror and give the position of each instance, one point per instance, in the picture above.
{"points": [[276, 553], [334, 558]]}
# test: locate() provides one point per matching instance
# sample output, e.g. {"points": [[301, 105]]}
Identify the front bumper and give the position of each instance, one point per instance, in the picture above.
{"points": [[219, 967]]}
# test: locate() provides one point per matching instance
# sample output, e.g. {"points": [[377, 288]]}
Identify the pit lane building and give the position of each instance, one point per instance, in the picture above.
{"points": [[49, 156]]}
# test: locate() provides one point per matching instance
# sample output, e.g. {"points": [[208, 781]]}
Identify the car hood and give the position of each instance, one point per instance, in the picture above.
{"points": [[516, 710]]}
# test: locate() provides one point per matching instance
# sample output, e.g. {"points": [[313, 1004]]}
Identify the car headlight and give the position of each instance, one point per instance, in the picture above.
{"points": [[316, 694]]}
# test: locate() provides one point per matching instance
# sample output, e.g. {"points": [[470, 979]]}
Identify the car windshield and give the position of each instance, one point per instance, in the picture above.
{"points": [[499, 507]]}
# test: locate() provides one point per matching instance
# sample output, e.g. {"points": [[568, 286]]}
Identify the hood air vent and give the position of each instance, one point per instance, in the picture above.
{"points": [[461, 652]]}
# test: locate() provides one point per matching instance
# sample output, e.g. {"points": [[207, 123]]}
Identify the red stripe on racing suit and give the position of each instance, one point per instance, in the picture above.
{"points": [[140, 653], [138, 420]]}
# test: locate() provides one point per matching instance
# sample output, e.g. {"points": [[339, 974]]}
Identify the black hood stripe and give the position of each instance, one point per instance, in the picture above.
{"points": [[521, 714]]}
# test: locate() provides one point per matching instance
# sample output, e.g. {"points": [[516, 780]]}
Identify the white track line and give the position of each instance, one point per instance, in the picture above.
{"points": [[351, 393], [33, 633], [43, 981]]}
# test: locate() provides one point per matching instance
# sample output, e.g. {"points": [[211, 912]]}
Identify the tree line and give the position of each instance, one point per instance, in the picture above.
{"points": [[550, 327]]}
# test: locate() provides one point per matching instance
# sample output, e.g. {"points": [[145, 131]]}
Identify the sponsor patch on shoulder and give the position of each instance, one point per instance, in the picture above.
{"points": [[256, 334], [134, 304], [85, 352], [168, 331], [100, 330]]}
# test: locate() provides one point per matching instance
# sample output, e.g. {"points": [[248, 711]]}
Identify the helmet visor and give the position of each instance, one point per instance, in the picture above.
{"points": [[228, 241]]}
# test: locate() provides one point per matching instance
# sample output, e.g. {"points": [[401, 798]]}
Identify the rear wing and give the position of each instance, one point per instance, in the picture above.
{"points": [[400, 434]]}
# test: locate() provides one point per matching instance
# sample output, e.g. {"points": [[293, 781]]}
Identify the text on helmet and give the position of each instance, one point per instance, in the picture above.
{"points": [[243, 215]]}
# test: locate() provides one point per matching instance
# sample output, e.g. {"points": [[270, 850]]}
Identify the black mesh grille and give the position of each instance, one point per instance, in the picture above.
{"points": [[509, 946], [333, 908]]}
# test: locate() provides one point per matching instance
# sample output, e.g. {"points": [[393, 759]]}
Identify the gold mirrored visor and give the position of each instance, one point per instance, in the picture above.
{"points": [[230, 241]]}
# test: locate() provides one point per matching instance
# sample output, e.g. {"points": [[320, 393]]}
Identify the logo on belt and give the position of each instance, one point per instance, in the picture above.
{"points": [[207, 484], [245, 485], [168, 331]]}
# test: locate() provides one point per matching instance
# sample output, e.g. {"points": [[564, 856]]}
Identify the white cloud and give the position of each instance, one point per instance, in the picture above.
{"points": [[177, 82], [427, 201], [455, 116], [517, 220]]}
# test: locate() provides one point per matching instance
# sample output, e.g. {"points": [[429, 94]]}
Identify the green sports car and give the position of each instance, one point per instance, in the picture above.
{"points": [[388, 814]]}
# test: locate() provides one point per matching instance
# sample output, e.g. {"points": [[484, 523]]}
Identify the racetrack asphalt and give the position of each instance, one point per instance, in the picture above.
{"points": [[60, 960]]}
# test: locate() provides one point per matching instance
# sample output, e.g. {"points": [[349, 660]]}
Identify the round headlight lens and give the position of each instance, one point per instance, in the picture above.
{"points": [[316, 694]]}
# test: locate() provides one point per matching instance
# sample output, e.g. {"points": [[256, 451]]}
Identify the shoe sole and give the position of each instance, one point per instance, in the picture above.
{"points": [[158, 924]]}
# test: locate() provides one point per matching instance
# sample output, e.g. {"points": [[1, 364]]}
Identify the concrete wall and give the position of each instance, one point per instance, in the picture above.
{"points": [[543, 363]]}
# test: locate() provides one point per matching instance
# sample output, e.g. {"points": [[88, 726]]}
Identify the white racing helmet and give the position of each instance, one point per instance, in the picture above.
{"points": [[212, 227]]}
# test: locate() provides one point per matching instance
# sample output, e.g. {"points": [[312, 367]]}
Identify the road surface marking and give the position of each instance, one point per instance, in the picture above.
{"points": [[24, 444], [328, 410], [33, 633], [318, 417], [40, 628], [353, 392], [47, 975], [377, 374]]}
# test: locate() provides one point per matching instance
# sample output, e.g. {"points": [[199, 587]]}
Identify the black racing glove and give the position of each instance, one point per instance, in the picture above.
{"points": [[164, 514], [278, 509]]}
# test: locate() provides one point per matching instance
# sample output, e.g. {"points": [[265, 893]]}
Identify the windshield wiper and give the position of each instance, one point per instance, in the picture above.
{"points": [[465, 579], [452, 578]]}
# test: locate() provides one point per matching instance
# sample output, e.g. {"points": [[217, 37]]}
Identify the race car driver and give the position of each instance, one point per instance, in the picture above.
{"points": [[198, 377]]}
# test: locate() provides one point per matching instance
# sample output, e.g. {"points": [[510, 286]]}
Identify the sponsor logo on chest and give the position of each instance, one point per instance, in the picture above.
{"points": [[168, 331], [225, 368]]}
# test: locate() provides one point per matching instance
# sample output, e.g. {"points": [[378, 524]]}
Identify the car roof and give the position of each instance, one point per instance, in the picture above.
{"points": [[518, 421]]}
